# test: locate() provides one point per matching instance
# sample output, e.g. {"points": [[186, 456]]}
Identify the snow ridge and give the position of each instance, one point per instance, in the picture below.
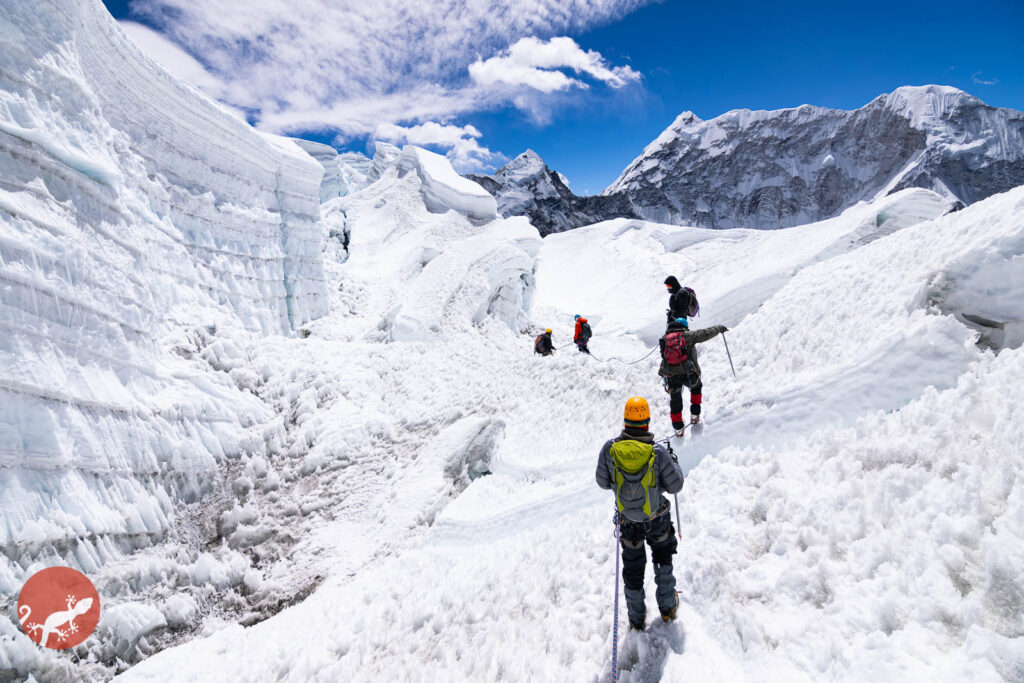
{"points": [[770, 169], [526, 186]]}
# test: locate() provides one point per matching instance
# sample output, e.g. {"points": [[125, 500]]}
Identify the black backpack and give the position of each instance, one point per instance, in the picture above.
{"points": [[585, 331]]}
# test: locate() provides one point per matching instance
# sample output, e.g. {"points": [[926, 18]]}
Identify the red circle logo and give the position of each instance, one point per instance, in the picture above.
{"points": [[58, 607]]}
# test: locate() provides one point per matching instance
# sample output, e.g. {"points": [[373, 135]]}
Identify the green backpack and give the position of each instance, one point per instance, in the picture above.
{"points": [[631, 457]]}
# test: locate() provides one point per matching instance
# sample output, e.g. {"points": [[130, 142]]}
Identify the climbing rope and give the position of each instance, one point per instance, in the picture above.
{"points": [[615, 616], [632, 362]]}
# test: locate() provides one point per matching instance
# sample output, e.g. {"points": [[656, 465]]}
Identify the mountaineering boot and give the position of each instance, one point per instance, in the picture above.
{"points": [[635, 608], [666, 592], [696, 425], [671, 614], [681, 431]]}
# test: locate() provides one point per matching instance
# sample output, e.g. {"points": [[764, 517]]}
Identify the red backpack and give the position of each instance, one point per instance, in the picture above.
{"points": [[675, 348]]}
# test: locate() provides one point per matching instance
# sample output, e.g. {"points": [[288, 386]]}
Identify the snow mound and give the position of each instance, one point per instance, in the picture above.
{"points": [[444, 189]]}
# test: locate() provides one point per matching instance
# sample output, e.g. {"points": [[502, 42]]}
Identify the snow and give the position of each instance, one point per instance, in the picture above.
{"points": [[298, 440], [523, 168], [444, 189], [879, 532], [343, 173], [126, 624]]}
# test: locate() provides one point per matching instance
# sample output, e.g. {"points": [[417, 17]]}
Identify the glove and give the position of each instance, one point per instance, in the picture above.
{"points": [[722, 328]]}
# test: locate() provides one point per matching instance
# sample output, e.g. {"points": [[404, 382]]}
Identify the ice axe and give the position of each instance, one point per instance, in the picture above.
{"points": [[728, 354]]}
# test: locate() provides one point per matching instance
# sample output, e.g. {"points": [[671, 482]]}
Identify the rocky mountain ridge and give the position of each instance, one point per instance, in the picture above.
{"points": [[776, 169]]}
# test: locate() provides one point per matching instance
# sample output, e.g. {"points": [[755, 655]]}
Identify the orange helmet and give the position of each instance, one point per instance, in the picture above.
{"points": [[637, 413]]}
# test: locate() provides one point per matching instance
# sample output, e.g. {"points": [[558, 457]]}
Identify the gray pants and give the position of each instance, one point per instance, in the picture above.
{"points": [[658, 533]]}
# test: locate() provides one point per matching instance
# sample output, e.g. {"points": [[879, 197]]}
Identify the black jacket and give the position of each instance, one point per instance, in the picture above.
{"points": [[544, 345], [679, 301]]}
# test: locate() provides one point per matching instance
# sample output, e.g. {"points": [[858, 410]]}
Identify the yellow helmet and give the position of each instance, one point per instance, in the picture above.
{"points": [[637, 412], [547, 331]]}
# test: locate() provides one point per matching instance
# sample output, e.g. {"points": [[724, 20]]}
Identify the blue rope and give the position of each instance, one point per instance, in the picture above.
{"points": [[615, 617]]}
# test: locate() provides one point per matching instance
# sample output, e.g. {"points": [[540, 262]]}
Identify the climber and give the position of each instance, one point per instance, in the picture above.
{"points": [[582, 334], [679, 368], [682, 301], [637, 470], [543, 344]]}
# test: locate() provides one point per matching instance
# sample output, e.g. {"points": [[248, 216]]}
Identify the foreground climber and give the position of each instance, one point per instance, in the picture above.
{"points": [[582, 334], [680, 369], [638, 471], [543, 343]]}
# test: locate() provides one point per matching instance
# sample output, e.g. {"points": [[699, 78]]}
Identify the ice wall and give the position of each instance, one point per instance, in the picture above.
{"points": [[343, 173], [134, 211]]}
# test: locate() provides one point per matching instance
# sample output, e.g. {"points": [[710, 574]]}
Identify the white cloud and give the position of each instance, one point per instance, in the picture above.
{"points": [[535, 63], [350, 65], [500, 70], [977, 78], [463, 150]]}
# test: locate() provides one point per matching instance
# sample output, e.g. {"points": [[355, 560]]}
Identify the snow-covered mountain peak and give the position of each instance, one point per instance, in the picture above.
{"points": [[921, 102], [524, 167], [771, 169], [526, 186]]}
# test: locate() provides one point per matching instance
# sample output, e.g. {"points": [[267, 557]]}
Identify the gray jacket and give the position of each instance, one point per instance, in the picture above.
{"points": [[668, 475]]}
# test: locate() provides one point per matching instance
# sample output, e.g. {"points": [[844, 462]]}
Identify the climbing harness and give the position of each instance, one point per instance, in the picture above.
{"points": [[615, 616]]}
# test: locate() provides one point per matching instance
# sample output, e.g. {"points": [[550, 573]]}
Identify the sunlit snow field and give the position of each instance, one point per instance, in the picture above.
{"points": [[301, 441]]}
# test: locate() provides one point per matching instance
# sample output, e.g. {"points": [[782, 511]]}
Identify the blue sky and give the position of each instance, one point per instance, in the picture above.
{"points": [[434, 79]]}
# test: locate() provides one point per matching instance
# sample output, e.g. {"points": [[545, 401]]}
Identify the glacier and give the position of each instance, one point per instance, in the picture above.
{"points": [[281, 405]]}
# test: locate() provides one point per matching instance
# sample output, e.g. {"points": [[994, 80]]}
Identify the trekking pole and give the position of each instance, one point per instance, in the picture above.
{"points": [[675, 496], [729, 355], [679, 526], [615, 616]]}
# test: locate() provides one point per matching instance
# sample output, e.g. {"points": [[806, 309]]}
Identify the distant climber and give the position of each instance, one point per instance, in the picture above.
{"points": [[680, 369], [582, 334], [543, 344], [637, 470], [682, 301]]}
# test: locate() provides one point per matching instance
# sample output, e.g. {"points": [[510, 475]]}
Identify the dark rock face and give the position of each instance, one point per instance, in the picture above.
{"points": [[773, 169], [527, 187]]}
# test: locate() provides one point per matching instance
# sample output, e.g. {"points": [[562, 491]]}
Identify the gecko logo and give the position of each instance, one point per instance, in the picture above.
{"points": [[58, 607]]}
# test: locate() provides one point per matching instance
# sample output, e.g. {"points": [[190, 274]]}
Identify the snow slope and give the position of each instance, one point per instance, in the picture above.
{"points": [[874, 537]]}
